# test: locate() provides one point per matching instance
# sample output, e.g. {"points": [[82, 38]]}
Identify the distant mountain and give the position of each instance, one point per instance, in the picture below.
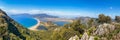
{"points": [[44, 16], [84, 20], [22, 14], [35, 15]]}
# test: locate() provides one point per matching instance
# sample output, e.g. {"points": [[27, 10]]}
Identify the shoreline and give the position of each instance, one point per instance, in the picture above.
{"points": [[34, 27], [59, 19]]}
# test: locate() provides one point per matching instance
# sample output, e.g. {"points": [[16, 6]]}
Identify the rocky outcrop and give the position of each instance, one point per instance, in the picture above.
{"points": [[91, 38], [74, 38], [116, 37], [104, 29], [103, 32], [87, 37]]}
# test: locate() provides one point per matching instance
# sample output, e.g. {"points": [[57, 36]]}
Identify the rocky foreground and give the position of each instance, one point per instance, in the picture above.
{"points": [[102, 32]]}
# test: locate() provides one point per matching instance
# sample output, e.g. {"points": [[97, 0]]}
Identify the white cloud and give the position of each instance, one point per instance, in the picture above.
{"points": [[14, 11], [34, 11], [51, 12], [54, 12]]}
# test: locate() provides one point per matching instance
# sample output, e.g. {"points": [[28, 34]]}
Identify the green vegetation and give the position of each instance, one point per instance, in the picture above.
{"points": [[104, 19], [76, 25], [63, 34], [9, 29], [117, 18]]}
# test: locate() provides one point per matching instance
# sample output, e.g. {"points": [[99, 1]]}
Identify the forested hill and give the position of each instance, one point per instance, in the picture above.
{"points": [[11, 30]]}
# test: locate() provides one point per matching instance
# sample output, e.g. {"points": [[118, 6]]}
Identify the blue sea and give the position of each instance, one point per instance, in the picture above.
{"points": [[26, 21]]}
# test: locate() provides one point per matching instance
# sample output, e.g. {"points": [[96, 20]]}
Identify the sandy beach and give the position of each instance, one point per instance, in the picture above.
{"points": [[35, 26]]}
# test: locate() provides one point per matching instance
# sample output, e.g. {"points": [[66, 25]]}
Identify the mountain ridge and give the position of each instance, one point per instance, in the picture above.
{"points": [[41, 15]]}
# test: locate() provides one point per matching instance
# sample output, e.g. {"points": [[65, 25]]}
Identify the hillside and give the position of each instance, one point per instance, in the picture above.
{"points": [[11, 30], [43, 15]]}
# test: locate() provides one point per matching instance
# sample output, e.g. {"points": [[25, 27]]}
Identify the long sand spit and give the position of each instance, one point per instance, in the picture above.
{"points": [[34, 28]]}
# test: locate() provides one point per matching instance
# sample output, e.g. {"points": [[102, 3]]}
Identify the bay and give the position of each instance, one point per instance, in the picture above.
{"points": [[26, 21]]}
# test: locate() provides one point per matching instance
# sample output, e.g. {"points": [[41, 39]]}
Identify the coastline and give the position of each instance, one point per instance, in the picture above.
{"points": [[59, 19], [34, 28]]}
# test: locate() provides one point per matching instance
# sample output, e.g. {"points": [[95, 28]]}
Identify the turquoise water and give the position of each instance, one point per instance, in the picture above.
{"points": [[25, 21], [28, 21]]}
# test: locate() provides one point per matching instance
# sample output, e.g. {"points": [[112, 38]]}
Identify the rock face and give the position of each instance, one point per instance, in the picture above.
{"points": [[74, 38], [116, 37], [104, 29], [91, 38], [104, 32], [85, 36]]}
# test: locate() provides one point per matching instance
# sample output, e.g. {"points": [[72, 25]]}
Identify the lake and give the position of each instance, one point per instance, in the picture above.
{"points": [[60, 23]]}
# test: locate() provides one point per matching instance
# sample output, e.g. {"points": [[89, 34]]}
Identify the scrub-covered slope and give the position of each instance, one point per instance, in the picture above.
{"points": [[11, 30]]}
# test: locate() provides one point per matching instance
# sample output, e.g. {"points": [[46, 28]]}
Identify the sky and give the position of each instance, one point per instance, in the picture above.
{"points": [[69, 8]]}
